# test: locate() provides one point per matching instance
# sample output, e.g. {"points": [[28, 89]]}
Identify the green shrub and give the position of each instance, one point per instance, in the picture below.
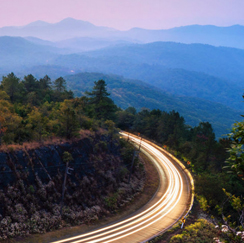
{"points": [[31, 189], [200, 232], [111, 201]]}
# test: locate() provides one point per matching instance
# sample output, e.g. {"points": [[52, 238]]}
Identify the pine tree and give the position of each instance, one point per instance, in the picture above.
{"points": [[102, 106], [11, 85]]}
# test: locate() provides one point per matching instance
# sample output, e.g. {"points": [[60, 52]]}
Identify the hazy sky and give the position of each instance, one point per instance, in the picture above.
{"points": [[125, 14]]}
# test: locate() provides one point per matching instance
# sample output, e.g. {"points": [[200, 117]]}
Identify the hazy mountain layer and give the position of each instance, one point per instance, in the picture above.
{"points": [[65, 29], [17, 53], [231, 36], [223, 62]]}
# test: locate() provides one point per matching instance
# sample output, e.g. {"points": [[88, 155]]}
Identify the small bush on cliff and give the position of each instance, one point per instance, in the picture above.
{"points": [[111, 201]]}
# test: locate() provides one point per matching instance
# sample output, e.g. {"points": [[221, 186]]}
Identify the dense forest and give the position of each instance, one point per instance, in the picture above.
{"points": [[38, 110]]}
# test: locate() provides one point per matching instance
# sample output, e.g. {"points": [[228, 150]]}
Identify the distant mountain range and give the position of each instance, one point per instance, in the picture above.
{"points": [[222, 62], [65, 29], [231, 36], [69, 28], [17, 53]]}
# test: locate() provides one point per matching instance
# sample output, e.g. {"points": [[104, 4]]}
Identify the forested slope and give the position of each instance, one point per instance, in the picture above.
{"points": [[127, 92]]}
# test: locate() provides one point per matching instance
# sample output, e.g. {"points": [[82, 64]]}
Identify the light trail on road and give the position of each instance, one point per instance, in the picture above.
{"points": [[157, 214]]}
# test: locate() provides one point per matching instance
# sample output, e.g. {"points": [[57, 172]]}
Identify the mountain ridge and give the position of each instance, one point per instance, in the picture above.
{"points": [[230, 36], [61, 30]]}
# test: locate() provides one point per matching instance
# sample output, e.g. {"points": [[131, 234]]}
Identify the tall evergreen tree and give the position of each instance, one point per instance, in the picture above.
{"points": [[60, 84], [30, 83], [68, 119], [11, 85], [102, 106], [45, 83]]}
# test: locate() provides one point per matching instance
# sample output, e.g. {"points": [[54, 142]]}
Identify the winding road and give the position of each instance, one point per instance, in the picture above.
{"points": [[170, 203]]}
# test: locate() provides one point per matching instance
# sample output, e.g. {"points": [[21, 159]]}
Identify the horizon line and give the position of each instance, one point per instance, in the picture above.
{"points": [[53, 23]]}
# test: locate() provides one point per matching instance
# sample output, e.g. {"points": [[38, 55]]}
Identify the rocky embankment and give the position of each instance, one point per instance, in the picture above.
{"points": [[31, 184]]}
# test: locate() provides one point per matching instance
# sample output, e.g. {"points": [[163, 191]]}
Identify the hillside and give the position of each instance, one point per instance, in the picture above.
{"points": [[126, 92], [192, 84], [81, 44], [18, 53]]}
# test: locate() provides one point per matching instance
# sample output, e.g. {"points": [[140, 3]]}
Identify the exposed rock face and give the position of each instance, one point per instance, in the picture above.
{"points": [[31, 184], [27, 163]]}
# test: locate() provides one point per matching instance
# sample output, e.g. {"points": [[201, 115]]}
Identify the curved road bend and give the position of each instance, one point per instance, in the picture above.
{"points": [[169, 204]]}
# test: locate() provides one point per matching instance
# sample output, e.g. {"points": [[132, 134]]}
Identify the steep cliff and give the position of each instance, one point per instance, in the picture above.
{"points": [[31, 184]]}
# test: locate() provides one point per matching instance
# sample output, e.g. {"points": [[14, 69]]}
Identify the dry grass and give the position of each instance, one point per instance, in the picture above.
{"points": [[85, 133], [33, 144], [49, 141]]}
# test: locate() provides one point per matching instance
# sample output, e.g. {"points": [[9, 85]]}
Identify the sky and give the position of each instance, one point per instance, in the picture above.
{"points": [[125, 14]]}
